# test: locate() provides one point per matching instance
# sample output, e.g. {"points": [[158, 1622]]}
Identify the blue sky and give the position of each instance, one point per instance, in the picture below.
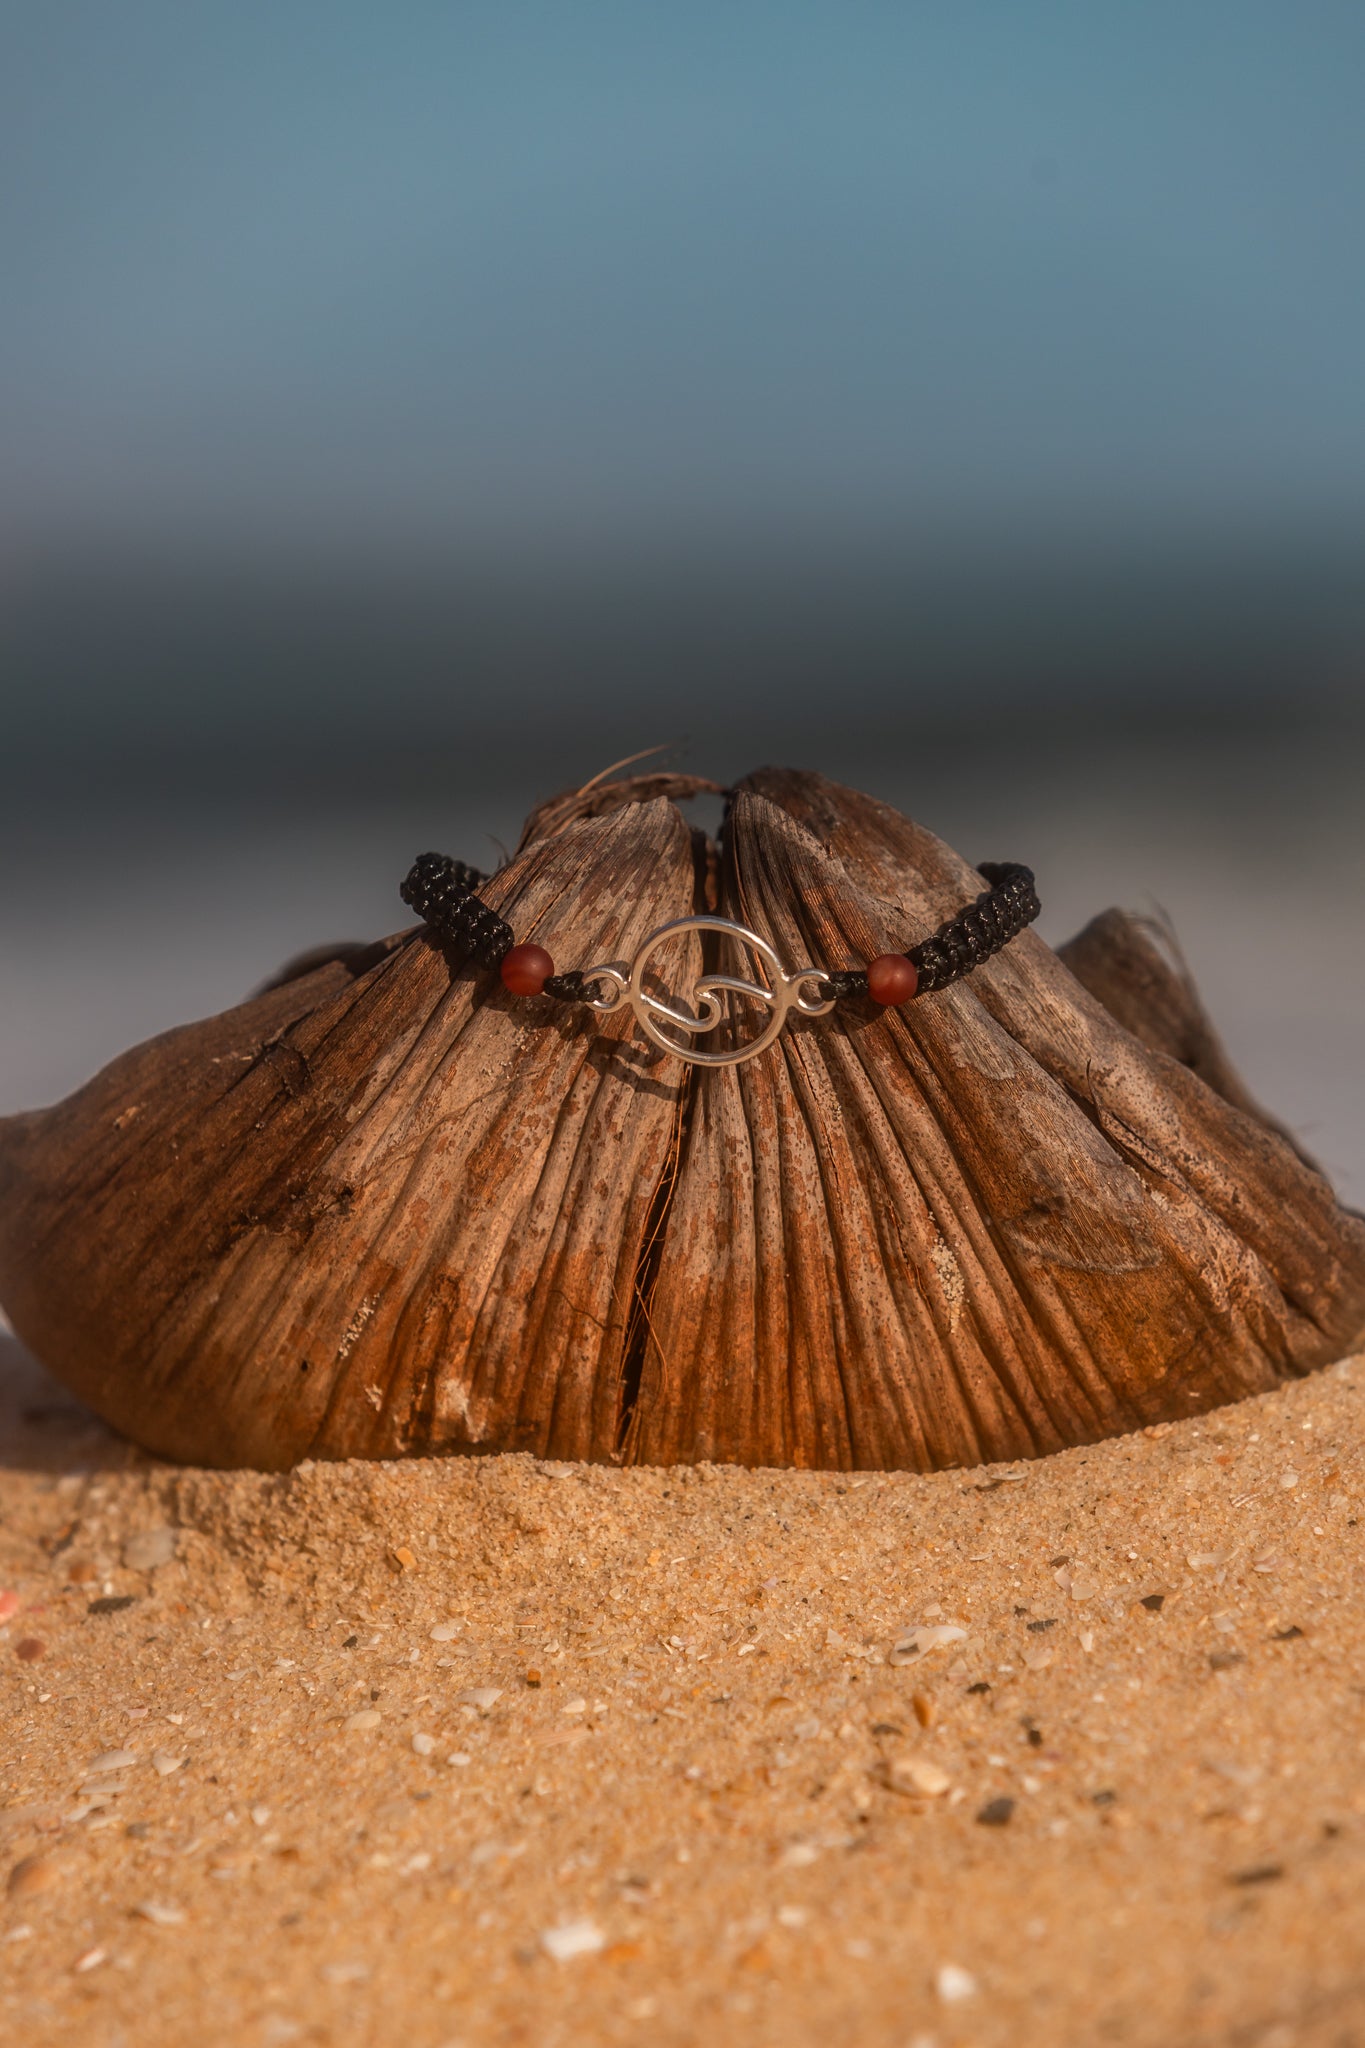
{"points": [[515, 276]]}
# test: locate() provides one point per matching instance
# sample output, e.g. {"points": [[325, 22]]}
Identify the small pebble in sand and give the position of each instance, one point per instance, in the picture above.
{"points": [[1289, 1480], [996, 1813], [34, 1874], [114, 1760], [10, 1603], [460, 1758], [368, 1717], [573, 1938], [919, 1776], [576, 1706], [149, 1549], [423, 1745], [163, 1763], [159, 1915], [30, 1649], [91, 1960], [261, 1816], [446, 1631], [926, 1711], [953, 1983]]}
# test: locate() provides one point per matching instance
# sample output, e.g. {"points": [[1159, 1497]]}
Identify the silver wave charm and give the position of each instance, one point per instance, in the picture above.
{"points": [[622, 983]]}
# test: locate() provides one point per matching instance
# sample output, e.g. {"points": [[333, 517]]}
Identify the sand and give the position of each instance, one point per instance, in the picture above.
{"points": [[496, 1752]]}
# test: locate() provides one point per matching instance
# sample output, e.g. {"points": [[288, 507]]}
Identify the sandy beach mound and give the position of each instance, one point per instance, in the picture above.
{"points": [[493, 1751]]}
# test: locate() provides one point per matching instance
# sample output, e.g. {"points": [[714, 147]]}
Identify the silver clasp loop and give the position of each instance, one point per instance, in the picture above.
{"points": [[621, 983]]}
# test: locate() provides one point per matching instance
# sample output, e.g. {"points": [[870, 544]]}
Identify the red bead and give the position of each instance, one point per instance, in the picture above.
{"points": [[526, 969], [891, 978]]}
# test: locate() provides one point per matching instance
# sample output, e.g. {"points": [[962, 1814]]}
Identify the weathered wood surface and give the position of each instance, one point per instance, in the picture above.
{"points": [[983, 1226], [384, 1209], [365, 1217], [1117, 957]]}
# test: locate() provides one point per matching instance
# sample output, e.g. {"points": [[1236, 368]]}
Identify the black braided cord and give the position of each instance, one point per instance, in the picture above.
{"points": [[998, 915], [572, 987], [443, 892]]}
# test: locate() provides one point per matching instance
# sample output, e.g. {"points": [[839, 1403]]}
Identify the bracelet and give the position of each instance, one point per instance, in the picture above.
{"points": [[444, 893]]}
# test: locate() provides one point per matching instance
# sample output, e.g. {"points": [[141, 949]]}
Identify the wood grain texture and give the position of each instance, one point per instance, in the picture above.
{"points": [[365, 1217], [983, 1226], [384, 1209], [1134, 967]]}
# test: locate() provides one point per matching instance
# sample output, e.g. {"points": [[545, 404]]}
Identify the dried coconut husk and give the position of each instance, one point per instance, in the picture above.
{"points": [[385, 1209], [1135, 967]]}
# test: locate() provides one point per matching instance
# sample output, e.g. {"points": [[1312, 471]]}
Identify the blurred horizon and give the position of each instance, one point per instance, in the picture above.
{"points": [[184, 675]]}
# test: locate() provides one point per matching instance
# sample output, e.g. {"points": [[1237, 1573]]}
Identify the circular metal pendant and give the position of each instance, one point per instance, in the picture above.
{"points": [[623, 982]]}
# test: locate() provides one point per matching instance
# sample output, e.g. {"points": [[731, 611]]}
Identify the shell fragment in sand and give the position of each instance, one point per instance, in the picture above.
{"points": [[149, 1549], [919, 1776], [953, 1983], [480, 1696], [918, 1642], [159, 1915], [574, 1938]]}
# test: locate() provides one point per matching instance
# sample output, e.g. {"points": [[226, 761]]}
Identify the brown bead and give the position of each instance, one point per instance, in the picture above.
{"points": [[891, 978], [526, 969]]}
